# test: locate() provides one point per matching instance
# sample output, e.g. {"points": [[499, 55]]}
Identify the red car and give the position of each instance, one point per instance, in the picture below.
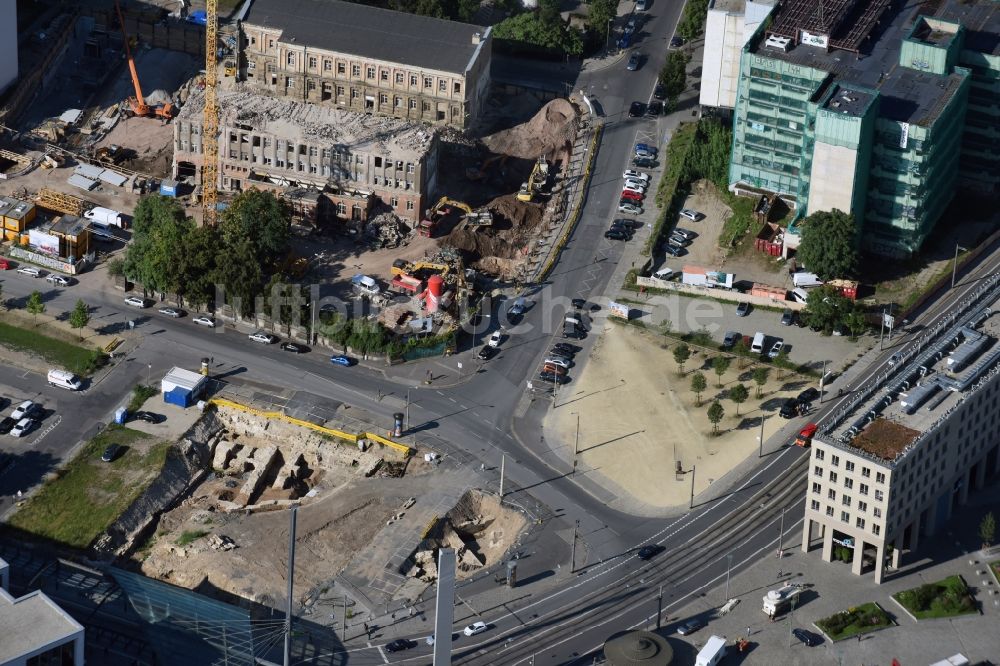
{"points": [[634, 196]]}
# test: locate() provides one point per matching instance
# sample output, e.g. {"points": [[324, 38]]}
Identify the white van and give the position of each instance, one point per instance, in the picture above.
{"points": [[757, 347], [800, 295], [64, 379], [712, 653], [366, 284]]}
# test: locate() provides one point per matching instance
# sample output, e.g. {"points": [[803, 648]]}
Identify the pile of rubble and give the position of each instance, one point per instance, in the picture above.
{"points": [[387, 230]]}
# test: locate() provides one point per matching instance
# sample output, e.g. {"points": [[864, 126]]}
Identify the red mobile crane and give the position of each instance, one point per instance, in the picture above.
{"points": [[137, 104]]}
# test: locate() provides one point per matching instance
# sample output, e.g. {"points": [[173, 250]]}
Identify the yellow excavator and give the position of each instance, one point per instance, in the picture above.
{"points": [[536, 181], [440, 209]]}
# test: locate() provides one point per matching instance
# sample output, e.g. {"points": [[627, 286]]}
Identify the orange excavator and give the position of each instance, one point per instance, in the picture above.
{"points": [[137, 104]]}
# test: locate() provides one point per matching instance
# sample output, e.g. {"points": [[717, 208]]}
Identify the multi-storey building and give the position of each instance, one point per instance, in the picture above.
{"points": [[8, 43], [729, 25], [877, 110], [36, 630], [904, 450], [360, 58], [281, 144]]}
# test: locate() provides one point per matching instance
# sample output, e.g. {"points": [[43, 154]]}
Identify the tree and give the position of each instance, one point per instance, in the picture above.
{"points": [[739, 394], [80, 316], [782, 362], [829, 245], [742, 351], [760, 374], [719, 366], [241, 276], [154, 256], [599, 16], [855, 321], [715, 414], [260, 218], [681, 354], [197, 265], [543, 28], [988, 529], [698, 386], [826, 308], [35, 305], [673, 75]]}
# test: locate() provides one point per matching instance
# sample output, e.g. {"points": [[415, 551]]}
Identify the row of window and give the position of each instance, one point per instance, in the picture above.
{"points": [[845, 517], [849, 485], [866, 472]]}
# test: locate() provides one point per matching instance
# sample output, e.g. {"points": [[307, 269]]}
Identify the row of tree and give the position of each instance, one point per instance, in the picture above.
{"points": [[170, 254], [543, 29]]}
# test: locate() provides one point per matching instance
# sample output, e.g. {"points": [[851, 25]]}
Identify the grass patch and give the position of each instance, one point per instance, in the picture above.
{"points": [[140, 394], [945, 598], [858, 620], [995, 568], [190, 535], [74, 358], [88, 495]]}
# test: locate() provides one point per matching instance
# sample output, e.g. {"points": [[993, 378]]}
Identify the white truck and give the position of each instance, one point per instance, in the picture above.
{"points": [[779, 601], [804, 279], [712, 653], [701, 277], [104, 217]]}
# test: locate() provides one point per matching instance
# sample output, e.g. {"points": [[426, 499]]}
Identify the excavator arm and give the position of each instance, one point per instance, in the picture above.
{"points": [[139, 99]]}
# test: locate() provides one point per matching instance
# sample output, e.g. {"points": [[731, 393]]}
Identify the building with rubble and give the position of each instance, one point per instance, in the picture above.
{"points": [[355, 160], [35, 629], [357, 57], [871, 108], [900, 455]]}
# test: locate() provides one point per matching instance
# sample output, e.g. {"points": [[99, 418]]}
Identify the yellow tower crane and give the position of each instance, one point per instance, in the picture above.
{"points": [[210, 132]]}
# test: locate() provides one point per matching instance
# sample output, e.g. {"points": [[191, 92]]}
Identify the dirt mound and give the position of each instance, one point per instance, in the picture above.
{"points": [[514, 223], [550, 133], [510, 213]]}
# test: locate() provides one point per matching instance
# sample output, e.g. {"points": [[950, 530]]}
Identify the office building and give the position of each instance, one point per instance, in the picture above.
{"points": [[34, 630], [895, 462], [881, 110], [729, 25], [356, 57]]}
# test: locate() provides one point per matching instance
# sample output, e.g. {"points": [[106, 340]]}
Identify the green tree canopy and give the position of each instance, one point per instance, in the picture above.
{"points": [[542, 28], [35, 305], [738, 394], [673, 75], [698, 386], [599, 15], [241, 275], [760, 377], [826, 308], [988, 530], [719, 366], [715, 414], [80, 316], [829, 246], [158, 231], [260, 218], [681, 354]]}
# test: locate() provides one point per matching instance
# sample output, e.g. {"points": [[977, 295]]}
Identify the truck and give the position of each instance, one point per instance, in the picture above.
{"points": [[701, 277], [779, 601], [712, 653], [805, 436], [104, 217], [804, 279]]}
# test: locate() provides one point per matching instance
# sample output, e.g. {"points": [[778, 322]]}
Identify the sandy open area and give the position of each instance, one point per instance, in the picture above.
{"points": [[633, 431]]}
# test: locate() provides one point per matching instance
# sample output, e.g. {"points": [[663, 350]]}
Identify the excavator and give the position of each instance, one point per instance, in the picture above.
{"points": [[137, 104], [442, 208]]}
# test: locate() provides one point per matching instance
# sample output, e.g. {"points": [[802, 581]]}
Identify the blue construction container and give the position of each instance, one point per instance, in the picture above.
{"points": [[168, 188]]}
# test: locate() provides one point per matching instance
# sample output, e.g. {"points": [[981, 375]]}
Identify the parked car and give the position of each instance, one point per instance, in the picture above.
{"points": [[676, 41], [690, 627], [399, 645], [789, 409], [687, 233], [26, 408], [787, 317], [496, 338], [148, 417], [23, 427], [558, 360], [57, 279], [517, 308], [654, 108], [675, 251], [475, 628], [632, 174], [552, 378], [263, 338], [634, 60], [636, 110], [808, 395], [646, 154], [136, 302], [646, 148], [340, 359], [171, 312], [732, 337], [564, 348], [616, 234], [622, 225], [644, 162], [679, 239], [579, 303], [808, 638], [635, 185], [293, 347], [776, 348], [110, 453], [204, 321], [649, 552], [692, 215], [630, 208], [631, 195], [743, 309], [664, 273], [660, 92], [29, 270], [6, 423], [487, 352]]}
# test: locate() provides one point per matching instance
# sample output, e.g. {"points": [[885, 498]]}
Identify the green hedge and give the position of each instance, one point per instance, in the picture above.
{"points": [[944, 598], [857, 620]]}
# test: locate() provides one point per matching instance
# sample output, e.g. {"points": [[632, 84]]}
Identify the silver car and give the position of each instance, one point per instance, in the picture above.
{"points": [[629, 208], [136, 302], [262, 337]]}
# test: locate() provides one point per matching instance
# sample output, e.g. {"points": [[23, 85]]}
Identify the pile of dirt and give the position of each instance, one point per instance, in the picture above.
{"points": [[387, 230], [477, 527], [550, 132], [514, 224]]}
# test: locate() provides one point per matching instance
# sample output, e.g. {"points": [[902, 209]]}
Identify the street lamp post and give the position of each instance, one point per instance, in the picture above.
{"points": [[406, 417], [822, 382], [691, 503], [781, 534], [760, 451], [729, 566], [572, 564], [576, 445], [607, 37], [149, 370], [954, 264]]}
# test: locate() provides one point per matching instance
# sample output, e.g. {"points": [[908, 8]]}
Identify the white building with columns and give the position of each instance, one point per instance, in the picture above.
{"points": [[899, 458]]}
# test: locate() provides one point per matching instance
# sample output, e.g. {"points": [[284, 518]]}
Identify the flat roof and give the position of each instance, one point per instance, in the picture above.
{"points": [[848, 101], [370, 32], [69, 225], [906, 95], [980, 18], [894, 410], [294, 120], [32, 622], [847, 23]]}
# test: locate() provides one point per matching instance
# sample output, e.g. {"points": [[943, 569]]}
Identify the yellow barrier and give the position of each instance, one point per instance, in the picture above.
{"points": [[333, 432], [113, 345]]}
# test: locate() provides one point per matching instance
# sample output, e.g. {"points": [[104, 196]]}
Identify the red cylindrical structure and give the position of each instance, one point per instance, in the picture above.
{"points": [[435, 286]]}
